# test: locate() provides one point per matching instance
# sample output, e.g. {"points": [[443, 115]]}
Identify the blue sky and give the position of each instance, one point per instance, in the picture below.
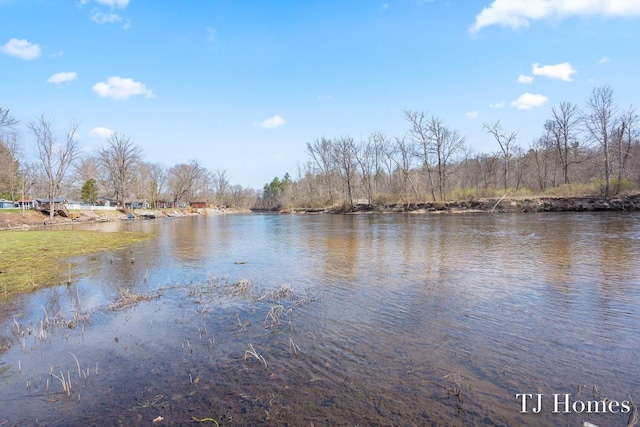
{"points": [[244, 85]]}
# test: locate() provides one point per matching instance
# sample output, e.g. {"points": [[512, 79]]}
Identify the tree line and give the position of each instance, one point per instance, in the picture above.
{"points": [[116, 170], [590, 150]]}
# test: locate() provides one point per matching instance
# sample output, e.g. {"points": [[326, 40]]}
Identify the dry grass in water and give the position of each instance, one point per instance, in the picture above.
{"points": [[251, 352], [294, 347], [128, 298], [276, 294], [240, 288], [274, 316], [65, 381]]}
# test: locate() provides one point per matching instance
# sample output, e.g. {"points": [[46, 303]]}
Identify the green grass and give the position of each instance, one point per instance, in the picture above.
{"points": [[30, 260]]}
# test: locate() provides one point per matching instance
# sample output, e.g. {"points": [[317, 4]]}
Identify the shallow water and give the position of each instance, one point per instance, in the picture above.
{"points": [[398, 320]]}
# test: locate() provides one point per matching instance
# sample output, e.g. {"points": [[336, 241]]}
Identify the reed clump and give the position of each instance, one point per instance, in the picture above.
{"points": [[127, 299]]}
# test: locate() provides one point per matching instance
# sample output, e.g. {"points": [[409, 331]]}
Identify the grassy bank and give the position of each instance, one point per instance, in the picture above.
{"points": [[30, 260]]}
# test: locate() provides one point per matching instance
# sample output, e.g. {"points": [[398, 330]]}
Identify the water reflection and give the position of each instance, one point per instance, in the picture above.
{"points": [[415, 312]]}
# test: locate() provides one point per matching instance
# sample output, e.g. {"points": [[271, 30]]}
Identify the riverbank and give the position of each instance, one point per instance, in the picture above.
{"points": [[513, 205], [18, 219]]}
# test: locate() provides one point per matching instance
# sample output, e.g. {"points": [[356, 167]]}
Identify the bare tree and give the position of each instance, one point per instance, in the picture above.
{"points": [[184, 180], [321, 151], [157, 181], [625, 135], [343, 156], [543, 153], [55, 157], [365, 155], [84, 169], [387, 163], [221, 185], [488, 168], [420, 135], [6, 120], [119, 161], [446, 143], [379, 142], [402, 153], [599, 121], [242, 197], [505, 141], [564, 127], [520, 166], [306, 184]]}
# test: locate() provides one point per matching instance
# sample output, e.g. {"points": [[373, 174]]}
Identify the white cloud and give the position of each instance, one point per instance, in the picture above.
{"points": [[100, 132], [604, 60], [560, 71], [121, 88], [472, 115], [497, 105], [21, 48], [121, 4], [105, 18], [62, 77], [271, 122], [527, 101], [113, 4], [519, 13], [525, 79]]}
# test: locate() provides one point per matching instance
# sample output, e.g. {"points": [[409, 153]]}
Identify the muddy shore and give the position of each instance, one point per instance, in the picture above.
{"points": [[32, 218], [511, 205]]}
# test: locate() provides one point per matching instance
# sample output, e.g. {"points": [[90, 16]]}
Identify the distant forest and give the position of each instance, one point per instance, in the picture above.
{"points": [[593, 150], [590, 151]]}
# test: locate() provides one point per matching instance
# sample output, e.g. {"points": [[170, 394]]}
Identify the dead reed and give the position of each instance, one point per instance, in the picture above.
{"points": [[127, 299], [251, 352]]}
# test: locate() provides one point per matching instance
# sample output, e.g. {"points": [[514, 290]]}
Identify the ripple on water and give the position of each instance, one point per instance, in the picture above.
{"points": [[419, 320]]}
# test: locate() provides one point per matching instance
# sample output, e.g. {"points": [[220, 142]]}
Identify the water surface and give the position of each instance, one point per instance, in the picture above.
{"points": [[397, 320]]}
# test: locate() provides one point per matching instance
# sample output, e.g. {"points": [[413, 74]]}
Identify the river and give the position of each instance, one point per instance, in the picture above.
{"points": [[403, 319]]}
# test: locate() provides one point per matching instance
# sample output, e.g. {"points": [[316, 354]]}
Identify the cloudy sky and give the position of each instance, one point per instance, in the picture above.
{"points": [[244, 85]]}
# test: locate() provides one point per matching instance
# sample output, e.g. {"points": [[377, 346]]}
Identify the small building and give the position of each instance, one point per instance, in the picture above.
{"points": [[106, 201], [26, 204], [199, 204], [137, 204], [163, 204], [6, 204]]}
